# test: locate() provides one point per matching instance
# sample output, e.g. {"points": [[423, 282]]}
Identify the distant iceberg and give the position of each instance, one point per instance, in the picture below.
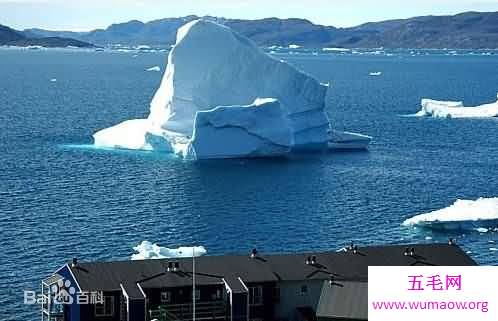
{"points": [[223, 97], [155, 68], [333, 49], [456, 109], [148, 251], [463, 214]]}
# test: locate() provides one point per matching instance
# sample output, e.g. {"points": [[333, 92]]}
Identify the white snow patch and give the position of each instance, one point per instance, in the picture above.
{"points": [[456, 109], [461, 211], [147, 251]]}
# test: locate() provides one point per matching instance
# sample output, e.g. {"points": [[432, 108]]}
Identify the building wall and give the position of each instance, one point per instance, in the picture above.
{"points": [[291, 297]]}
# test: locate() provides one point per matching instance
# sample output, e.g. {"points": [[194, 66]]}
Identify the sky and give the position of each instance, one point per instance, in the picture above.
{"points": [[90, 14]]}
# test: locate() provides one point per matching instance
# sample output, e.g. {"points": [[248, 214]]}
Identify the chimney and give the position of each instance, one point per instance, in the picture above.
{"points": [[75, 262], [254, 253]]}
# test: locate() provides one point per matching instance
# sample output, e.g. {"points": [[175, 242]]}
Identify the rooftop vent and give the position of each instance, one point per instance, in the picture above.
{"points": [[412, 252], [355, 249], [307, 261], [74, 262], [406, 252], [176, 266], [254, 253], [351, 246], [170, 266], [331, 280], [313, 260]]}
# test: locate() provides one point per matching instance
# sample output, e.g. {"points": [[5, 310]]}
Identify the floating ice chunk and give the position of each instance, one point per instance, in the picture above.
{"points": [[456, 109], [293, 46], [155, 68], [463, 214], [146, 251], [375, 73], [53, 80], [493, 249]]}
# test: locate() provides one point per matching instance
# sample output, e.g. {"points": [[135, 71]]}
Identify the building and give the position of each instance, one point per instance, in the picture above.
{"points": [[255, 287]]}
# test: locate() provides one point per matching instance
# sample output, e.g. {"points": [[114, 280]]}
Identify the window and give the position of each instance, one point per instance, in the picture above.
{"points": [[276, 294], [166, 297], [197, 294], [304, 290], [256, 295], [216, 295], [106, 308]]}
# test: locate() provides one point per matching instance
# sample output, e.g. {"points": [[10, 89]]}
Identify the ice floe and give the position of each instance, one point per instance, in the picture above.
{"points": [[147, 251], [223, 97], [456, 109], [479, 215], [375, 73]]}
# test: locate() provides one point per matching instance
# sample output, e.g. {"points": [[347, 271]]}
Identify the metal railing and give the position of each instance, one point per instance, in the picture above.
{"points": [[215, 310]]}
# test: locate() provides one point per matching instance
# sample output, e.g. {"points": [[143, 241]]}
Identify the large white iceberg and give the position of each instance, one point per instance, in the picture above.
{"points": [[463, 214], [221, 97], [456, 109], [148, 251]]}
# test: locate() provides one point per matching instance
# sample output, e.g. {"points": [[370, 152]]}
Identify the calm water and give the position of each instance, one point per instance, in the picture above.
{"points": [[60, 199]]}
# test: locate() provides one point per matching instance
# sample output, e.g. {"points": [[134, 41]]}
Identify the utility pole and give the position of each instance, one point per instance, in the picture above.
{"points": [[193, 283]]}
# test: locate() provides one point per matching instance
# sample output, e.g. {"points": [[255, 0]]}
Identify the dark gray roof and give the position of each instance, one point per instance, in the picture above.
{"points": [[108, 276], [343, 300]]}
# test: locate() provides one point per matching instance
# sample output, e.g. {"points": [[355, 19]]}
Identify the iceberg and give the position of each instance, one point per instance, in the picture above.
{"points": [[462, 215], [223, 97], [456, 109], [147, 251]]}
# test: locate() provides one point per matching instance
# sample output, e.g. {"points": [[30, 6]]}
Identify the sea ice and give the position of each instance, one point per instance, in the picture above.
{"points": [[456, 109], [463, 214], [222, 97], [375, 73], [146, 251]]}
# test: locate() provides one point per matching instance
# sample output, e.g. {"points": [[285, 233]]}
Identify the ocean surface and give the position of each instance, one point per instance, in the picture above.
{"points": [[60, 198]]}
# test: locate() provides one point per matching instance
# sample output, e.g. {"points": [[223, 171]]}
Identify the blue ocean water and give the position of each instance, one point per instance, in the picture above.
{"points": [[60, 198]]}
